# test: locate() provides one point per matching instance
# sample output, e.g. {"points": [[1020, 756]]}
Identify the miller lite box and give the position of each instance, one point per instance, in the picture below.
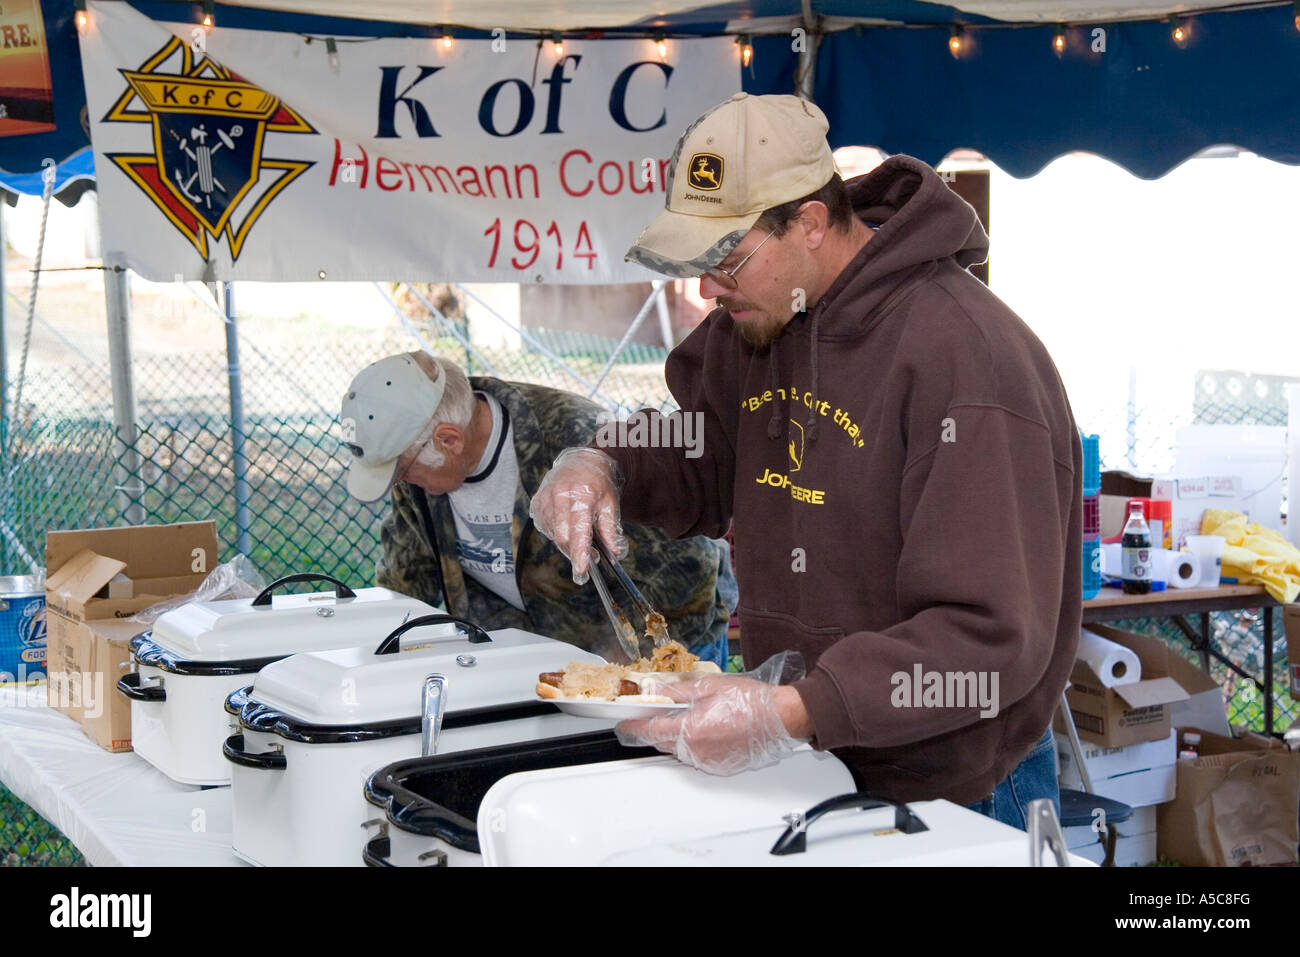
{"points": [[22, 629]]}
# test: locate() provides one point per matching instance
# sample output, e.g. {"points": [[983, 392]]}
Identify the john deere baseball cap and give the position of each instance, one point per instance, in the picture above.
{"points": [[744, 156], [385, 409]]}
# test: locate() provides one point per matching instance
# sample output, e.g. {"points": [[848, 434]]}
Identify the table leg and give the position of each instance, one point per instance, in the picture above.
{"points": [[1268, 669], [1205, 642], [1197, 643]]}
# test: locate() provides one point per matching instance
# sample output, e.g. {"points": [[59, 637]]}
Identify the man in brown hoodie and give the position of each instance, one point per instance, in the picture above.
{"points": [[897, 453]]}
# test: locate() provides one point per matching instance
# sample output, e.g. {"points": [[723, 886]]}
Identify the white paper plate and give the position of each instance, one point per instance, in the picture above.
{"points": [[613, 710]]}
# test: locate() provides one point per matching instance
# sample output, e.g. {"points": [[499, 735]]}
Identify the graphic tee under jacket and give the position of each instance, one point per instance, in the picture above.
{"points": [[903, 470]]}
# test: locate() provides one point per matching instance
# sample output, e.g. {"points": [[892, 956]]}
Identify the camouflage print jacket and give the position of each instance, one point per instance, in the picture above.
{"points": [[679, 578]]}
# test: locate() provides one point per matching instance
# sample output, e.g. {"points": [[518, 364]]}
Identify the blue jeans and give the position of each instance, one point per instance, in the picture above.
{"points": [[714, 647], [1032, 778]]}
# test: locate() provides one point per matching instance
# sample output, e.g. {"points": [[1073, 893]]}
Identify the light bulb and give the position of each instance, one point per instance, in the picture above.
{"points": [[746, 52], [1180, 34], [662, 47], [207, 22], [1058, 42], [446, 41], [954, 44], [83, 22]]}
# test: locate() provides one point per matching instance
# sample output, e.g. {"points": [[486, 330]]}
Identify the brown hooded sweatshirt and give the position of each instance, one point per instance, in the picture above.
{"points": [[903, 470]]}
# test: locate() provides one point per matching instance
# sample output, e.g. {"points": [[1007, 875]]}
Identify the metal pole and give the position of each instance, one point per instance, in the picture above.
{"points": [[1132, 416], [4, 399], [806, 76], [656, 295], [117, 301], [665, 323], [236, 419]]}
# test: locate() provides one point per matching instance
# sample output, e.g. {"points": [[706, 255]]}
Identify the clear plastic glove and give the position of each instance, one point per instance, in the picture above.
{"points": [[732, 724], [581, 491]]}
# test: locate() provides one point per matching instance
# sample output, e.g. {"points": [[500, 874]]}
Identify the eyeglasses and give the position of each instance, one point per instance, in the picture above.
{"points": [[410, 459], [727, 277]]}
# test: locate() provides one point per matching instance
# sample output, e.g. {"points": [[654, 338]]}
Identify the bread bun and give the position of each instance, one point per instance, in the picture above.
{"points": [[645, 699]]}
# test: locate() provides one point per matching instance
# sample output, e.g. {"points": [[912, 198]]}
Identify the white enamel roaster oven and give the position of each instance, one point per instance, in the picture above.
{"points": [[431, 809], [313, 727], [587, 801], [199, 653]]}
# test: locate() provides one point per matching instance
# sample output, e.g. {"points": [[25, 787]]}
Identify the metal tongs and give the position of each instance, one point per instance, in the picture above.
{"points": [[656, 626]]}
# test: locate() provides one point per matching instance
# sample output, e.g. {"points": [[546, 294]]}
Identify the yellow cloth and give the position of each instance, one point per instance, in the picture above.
{"points": [[1255, 555]]}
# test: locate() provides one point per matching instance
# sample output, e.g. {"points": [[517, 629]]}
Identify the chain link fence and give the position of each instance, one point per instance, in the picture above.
{"points": [[28, 840], [65, 465]]}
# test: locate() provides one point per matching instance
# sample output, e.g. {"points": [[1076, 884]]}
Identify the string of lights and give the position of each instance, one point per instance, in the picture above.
{"points": [[960, 36]]}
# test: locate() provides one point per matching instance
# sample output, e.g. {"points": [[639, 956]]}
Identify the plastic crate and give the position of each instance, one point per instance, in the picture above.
{"points": [[1091, 516], [1091, 464], [1091, 567]]}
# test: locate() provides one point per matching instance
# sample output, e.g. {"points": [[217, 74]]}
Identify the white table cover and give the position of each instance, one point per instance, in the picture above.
{"points": [[116, 808]]}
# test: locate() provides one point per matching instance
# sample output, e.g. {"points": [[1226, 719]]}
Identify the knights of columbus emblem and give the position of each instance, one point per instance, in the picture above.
{"points": [[206, 173]]}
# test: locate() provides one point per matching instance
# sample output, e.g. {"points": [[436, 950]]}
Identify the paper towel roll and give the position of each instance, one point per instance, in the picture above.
{"points": [[1114, 664], [1179, 569]]}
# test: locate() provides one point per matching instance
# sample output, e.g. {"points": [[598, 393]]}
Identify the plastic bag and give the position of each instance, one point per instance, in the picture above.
{"points": [[237, 578]]}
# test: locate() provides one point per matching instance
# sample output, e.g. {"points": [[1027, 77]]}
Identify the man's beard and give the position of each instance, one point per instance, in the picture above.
{"points": [[760, 333]]}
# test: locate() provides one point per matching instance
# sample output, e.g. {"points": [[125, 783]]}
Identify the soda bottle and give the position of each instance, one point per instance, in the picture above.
{"points": [[1136, 545]]}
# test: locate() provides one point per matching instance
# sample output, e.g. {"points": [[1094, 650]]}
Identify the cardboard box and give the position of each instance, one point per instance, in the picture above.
{"points": [[1236, 804], [1139, 775], [1205, 706], [1103, 762], [1128, 714], [87, 637], [1113, 514], [1191, 496], [119, 587]]}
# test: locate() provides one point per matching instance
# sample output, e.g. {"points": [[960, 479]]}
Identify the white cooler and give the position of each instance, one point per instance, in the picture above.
{"points": [[313, 727], [198, 654]]}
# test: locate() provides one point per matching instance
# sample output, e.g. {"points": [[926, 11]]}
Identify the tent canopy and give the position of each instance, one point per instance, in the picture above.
{"points": [[689, 16], [885, 76]]}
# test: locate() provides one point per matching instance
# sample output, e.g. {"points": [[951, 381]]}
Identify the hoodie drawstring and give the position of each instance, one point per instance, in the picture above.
{"points": [[812, 416], [774, 423]]}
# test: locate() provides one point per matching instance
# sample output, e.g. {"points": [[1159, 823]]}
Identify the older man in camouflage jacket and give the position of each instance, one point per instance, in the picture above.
{"points": [[463, 458]]}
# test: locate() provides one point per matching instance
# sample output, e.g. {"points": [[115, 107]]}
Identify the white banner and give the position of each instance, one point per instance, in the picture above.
{"points": [[254, 155]]}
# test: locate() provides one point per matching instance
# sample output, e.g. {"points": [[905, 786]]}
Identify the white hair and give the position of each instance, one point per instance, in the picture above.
{"points": [[456, 407]]}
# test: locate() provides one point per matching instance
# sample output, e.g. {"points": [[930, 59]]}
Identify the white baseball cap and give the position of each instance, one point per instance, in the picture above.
{"points": [[742, 157], [388, 405]]}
